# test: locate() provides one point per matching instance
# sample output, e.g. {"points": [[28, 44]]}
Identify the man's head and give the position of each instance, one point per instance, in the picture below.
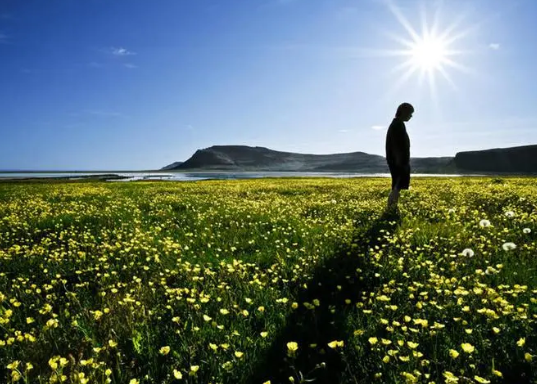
{"points": [[404, 111]]}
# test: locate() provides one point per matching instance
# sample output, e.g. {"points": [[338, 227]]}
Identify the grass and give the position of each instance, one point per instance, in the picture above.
{"points": [[280, 280]]}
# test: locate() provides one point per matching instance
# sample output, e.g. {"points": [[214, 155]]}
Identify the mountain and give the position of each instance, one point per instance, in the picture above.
{"points": [[171, 166], [521, 159], [246, 158]]}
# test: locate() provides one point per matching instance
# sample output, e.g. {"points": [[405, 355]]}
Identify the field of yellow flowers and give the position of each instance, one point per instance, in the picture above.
{"points": [[269, 281]]}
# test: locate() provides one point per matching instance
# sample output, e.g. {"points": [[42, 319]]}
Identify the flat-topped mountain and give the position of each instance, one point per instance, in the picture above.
{"points": [[521, 159], [246, 158]]}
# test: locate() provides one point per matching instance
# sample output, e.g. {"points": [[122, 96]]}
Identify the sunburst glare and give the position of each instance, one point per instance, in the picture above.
{"points": [[428, 52]]}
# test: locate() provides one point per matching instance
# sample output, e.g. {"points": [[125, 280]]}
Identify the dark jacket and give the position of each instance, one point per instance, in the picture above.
{"points": [[397, 144]]}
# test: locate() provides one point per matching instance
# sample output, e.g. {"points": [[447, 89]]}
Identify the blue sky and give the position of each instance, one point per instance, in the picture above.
{"points": [[132, 85]]}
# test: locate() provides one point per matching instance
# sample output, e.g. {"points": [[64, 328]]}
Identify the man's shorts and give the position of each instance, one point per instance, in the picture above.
{"points": [[400, 176]]}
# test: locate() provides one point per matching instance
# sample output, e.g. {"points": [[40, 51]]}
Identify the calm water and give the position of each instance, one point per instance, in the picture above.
{"points": [[193, 176]]}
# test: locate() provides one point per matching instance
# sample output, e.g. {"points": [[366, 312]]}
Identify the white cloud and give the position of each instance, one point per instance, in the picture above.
{"points": [[100, 113], [494, 46], [121, 52], [130, 66], [378, 127]]}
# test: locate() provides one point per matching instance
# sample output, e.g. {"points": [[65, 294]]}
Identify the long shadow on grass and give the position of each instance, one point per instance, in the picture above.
{"points": [[333, 283]]}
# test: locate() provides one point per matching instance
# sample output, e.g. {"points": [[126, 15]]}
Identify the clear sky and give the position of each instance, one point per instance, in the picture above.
{"points": [[139, 84]]}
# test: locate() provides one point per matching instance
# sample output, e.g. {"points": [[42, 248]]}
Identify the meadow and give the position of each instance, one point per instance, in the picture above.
{"points": [[269, 281]]}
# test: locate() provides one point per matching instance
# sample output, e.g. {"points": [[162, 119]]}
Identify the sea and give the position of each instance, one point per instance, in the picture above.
{"points": [[195, 176]]}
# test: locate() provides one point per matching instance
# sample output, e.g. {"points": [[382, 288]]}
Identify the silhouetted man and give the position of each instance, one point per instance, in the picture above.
{"points": [[398, 152]]}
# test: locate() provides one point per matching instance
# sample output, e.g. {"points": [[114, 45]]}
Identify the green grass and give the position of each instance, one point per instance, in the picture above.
{"points": [[215, 281]]}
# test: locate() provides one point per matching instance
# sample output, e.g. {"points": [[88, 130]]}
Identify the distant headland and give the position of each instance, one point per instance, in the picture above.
{"points": [[514, 160]]}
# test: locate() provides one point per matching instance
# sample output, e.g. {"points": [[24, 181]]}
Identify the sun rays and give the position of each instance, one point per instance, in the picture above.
{"points": [[428, 52]]}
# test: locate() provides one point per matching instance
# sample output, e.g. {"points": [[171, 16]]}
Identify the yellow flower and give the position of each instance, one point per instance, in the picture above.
{"points": [[238, 354], [453, 353], [497, 373], [261, 309], [206, 318], [15, 376], [467, 347], [112, 343], [528, 357], [496, 330], [450, 377], [373, 340], [264, 334], [194, 368], [134, 381], [267, 382], [521, 342], [412, 345], [13, 365], [334, 344], [214, 347], [52, 363], [386, 359], [481, 380], [177, 374], [224, 311], [292, 346], [164, 350]]}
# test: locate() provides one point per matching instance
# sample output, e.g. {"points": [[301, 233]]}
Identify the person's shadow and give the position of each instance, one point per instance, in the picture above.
{"points": [[333, 284]]}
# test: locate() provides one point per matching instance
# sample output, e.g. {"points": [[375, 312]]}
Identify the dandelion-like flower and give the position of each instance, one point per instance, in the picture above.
{"points": [[484, 223], [468, 252], [510, 214], [526, 230], [508, 246]]}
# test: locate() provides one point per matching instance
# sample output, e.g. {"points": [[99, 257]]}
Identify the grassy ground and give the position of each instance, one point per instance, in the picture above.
{"points": [[280, 280]]}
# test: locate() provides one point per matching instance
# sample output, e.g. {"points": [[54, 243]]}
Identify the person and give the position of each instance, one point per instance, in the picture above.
{"points": [[398, 153]]}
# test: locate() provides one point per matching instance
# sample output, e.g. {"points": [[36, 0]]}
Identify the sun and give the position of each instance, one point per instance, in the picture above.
{"points": [[429, 53], [428, 50]]}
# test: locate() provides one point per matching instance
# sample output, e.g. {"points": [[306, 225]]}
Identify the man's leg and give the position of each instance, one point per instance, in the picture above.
{"points": [[393, 198]]}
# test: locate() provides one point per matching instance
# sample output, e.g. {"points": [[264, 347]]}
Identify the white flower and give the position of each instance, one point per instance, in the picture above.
{"points": [[484, 223], [526, 230], [468, 252], [508, 246], [450, 211], [510, 214]]}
